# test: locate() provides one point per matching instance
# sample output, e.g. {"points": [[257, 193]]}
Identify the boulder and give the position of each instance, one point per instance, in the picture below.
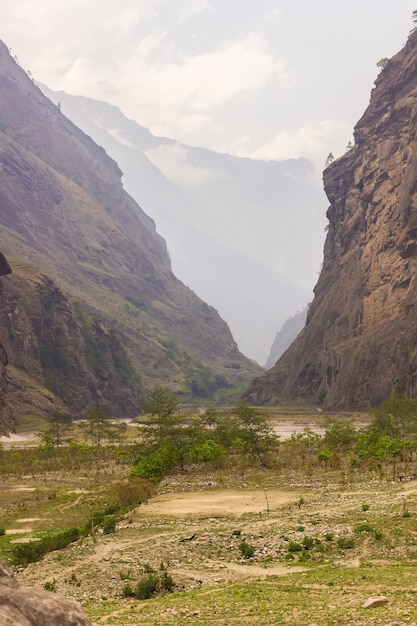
{"points": [[24, 606]]}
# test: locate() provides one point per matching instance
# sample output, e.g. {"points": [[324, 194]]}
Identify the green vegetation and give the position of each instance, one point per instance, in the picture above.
{"points": [[174, 439], [356, 505]]}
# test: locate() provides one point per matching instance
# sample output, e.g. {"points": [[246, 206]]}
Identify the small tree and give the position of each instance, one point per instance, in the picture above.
{"points": [[58, 424], [382, 63], [97, 426], [330, 159]]}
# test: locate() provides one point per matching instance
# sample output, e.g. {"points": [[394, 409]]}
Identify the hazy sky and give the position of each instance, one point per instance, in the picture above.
{"points": [[260, 78]]}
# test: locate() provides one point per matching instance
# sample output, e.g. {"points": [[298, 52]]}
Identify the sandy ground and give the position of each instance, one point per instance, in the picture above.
{"points": [[217, 502]]}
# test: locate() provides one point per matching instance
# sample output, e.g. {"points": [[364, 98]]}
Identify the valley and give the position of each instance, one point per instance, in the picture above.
{"points": [[325, 536]]}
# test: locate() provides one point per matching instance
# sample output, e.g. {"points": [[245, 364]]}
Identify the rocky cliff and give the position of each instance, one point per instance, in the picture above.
{"points": [[98, 298], [360, 339]]}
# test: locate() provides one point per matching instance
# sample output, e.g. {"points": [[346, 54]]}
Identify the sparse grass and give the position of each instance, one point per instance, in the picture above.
{"points": [[207, 570]]}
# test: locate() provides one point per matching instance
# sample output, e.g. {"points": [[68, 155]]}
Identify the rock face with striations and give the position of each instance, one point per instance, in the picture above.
{"points": [[360, 339]]}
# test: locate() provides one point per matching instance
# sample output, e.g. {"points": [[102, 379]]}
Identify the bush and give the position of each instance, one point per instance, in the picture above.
{"points": [[25, 553], [127, 591], [329, 536], [294, 546], [308, 542], [147, 587], [133, 492], [50, 585], [109, 525], [346, 543], [246, 550], [363, 527], [365, 507], [2, 531]]}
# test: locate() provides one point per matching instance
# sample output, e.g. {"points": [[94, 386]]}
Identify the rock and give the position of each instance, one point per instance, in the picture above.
{"points": [[360, 338], [374, 601], [23, 606]]}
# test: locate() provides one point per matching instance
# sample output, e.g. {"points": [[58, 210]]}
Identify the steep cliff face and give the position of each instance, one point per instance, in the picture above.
{"points": [[63, 210], [360, 339]]}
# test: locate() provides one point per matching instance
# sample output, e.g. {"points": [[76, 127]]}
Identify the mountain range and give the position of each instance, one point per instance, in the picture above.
{"points": [[92, 313], [245, 235]]}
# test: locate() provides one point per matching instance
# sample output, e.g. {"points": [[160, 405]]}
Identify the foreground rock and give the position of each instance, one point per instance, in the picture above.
{"points": [[34, 607], [360, 339], [374, 601]]}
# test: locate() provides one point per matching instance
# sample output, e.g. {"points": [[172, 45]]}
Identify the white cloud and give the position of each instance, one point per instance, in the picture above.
{"points": [[172, 161], [170, 92], [192, 7], [313, 141]]}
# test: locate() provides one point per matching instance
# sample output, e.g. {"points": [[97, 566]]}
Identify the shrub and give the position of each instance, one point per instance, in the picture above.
{"points": [[365, 507], [111, 508], [363, 527], [133, 492], [167, 582], [308, 542], [109, 525], [294, 546], [50, 585], [147, 587], [329, 536], [2, 531], [346, 543], [246, 550], [127, 591]]}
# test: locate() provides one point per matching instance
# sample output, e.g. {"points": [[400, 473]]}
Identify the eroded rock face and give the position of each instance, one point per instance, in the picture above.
{"points": [[22, 606], [360, 339]]}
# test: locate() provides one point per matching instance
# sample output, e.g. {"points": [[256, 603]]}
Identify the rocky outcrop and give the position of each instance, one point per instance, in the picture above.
{"points": [[23, 606], [360, 339], [58, 352]]}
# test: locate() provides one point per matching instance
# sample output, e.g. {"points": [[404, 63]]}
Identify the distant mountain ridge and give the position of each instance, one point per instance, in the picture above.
{"points": [[240, 232], [285, 336], [89, 269]]}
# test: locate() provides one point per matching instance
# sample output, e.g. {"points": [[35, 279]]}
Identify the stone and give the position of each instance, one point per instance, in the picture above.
{"points": [[374, 601], [24, 606]]}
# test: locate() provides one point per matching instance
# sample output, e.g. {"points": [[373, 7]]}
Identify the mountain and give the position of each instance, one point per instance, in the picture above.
{"points": [[360, 339], [240, 232], [92, 289], [284, 337]]}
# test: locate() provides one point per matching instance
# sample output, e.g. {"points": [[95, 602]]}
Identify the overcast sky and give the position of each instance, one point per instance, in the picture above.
{"points": [[269, 79]]}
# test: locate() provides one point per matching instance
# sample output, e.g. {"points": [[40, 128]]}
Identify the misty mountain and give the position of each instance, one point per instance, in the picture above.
{"points": [[245, 235], [92, 313], [284, 338]]}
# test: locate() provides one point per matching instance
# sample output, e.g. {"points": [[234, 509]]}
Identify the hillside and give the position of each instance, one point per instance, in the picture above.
{"points": [[65, 215], [360, 339], [285, 336], [243, 234]]}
